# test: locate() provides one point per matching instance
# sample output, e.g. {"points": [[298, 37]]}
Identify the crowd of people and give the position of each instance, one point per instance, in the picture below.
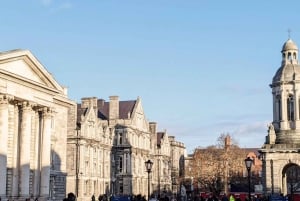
{"points": [[170, 197]]}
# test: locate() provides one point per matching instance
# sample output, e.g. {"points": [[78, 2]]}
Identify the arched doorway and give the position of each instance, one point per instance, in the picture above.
{"points": [[291, 180]]}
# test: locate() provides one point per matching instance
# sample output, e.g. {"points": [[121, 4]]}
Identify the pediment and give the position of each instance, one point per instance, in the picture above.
{"points": [[139, 117], [90, 116], [23, 65]]}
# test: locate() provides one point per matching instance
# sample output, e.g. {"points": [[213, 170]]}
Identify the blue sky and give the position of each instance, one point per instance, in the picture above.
{"points": [[201, 68]]}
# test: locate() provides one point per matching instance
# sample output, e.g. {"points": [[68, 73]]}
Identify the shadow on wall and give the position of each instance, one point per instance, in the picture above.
{"points": [[32, 179]]}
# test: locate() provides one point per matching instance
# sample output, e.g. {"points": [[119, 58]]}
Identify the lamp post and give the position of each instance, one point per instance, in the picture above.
{"points": [[248, 163], [192, 186], [113, 186], [148, 164]]}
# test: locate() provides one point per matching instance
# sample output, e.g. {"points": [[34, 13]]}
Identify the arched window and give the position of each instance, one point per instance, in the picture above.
{"points": [[290, 108], [289, 56], [294, 55], [278, 108]]}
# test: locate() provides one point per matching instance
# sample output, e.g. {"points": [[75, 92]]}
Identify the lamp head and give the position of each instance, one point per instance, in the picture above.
{"points": [[248, 163], [148, 165]]}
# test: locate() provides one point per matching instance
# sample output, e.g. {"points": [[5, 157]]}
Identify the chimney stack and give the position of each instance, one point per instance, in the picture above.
{"points": [[114, 107]]}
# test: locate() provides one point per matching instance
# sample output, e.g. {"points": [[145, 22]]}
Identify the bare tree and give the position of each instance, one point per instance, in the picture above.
{"points": [[215, 167]]}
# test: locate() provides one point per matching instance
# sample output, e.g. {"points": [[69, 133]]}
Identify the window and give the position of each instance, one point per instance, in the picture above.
{"points": [[120, 138], [120, 187], [127, 163], [290, 108], [278, 108], [120, 164], [289, 56]]}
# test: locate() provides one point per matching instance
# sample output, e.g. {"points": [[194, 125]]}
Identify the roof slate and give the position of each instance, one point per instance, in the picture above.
{"points": [[125, 108]]}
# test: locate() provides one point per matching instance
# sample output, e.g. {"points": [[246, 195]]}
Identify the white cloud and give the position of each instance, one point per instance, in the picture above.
{"points": [[56, 5], [46, 2], [248, 129], [65, 5]]}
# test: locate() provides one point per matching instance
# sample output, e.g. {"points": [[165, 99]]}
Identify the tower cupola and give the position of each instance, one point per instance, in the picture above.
{"points": [[289, 52]]}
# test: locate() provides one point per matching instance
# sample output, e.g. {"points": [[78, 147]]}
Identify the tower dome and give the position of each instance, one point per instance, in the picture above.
{"points": [[290, 69], [289, 45]]}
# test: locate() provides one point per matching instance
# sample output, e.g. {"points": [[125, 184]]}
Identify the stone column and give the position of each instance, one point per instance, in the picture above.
{"points": [[3, 140], [25, 135], [16, 151], [46, 152]]}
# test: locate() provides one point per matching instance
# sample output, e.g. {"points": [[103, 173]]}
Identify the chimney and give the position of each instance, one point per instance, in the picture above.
{"points": [[100, 103], [152, 127], [227, 142], [114, 107], [89, 102]]}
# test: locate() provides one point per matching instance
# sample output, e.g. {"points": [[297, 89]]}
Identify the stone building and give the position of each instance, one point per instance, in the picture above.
{"points": [[89, 152], [107, 154], [168, 154], [178, 153], [221, 169], [33, 129], [280, 152]]}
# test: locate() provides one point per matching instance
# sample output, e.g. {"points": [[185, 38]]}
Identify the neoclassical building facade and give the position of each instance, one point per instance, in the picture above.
{"points": [[107, 154], [280, 153], [53, 146], [33, 129]]}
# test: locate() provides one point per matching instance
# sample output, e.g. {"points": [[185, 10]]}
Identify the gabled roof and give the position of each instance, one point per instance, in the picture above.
{"points": [[160, 136], [125, 107]]}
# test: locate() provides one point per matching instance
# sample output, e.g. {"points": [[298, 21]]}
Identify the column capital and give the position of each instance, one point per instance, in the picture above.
{"points": [[47, 112], [4, 98], [27, 105]]}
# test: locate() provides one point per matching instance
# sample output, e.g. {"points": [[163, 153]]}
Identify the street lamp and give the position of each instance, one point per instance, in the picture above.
{"points": [[248, 163], [148, 164], [192, 186], [113, 185]]}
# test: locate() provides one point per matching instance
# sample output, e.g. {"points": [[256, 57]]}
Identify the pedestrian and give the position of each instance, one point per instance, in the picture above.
{"points": [[224, 198], [93, 198], [71, 197]]}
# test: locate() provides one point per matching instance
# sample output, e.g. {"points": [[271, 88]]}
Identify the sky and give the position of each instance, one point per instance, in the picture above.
{"points": [[201, 68]]}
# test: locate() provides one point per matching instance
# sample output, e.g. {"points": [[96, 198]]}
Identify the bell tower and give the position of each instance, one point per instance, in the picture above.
{"points": [[280, 151], [285, 89]]}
